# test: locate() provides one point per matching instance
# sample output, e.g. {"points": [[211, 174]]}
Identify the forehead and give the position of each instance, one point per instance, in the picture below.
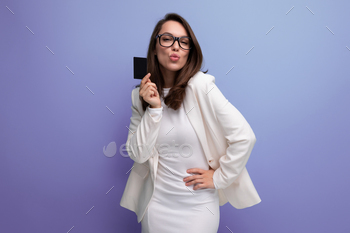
{"points": [[173, 27]]}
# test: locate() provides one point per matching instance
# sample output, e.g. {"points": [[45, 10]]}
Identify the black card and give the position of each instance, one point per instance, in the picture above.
{"points": [[140, 67]]}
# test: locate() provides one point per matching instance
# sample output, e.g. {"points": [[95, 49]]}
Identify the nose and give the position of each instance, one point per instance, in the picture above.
{"points": [[176, 45]]}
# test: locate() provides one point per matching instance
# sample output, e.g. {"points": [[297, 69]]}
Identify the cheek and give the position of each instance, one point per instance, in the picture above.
{"points": [[185, 58], [160, 54], [161, 50]]}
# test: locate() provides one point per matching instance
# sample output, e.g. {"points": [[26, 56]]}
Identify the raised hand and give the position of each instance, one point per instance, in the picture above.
{"points": [[149, 92]]}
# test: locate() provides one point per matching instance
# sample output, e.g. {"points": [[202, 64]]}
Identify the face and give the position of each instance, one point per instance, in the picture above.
{"points": [[167, 55]]}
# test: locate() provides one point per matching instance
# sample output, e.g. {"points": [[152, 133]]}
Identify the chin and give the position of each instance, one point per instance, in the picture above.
{"points": [[172, 67], [175, 68]]}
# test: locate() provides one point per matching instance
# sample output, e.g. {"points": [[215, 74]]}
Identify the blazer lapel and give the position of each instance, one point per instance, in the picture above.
{"points": [[195, 117]]}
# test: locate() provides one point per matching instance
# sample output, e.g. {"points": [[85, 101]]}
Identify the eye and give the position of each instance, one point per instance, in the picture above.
{"points": [[185, 41], [166, 38]]}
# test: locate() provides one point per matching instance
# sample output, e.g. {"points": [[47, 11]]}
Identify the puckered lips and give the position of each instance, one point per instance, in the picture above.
{"points": [[174, 57]]}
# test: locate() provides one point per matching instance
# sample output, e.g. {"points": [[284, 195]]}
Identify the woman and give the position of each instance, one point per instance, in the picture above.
{"points": [[180, 127]]}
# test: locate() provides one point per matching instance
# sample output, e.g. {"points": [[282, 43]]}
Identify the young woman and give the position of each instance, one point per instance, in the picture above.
{"points": [[189, 144]]}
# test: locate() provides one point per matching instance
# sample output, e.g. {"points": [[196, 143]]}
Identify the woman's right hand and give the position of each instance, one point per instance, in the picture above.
{"points": [[149, 93]]}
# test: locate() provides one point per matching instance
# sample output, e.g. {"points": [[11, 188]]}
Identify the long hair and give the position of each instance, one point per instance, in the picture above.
{"points": [[193, 65]]}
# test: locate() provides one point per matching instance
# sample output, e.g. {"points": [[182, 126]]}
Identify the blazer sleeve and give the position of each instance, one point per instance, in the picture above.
{"points": [[143, 130], [238, 133]]}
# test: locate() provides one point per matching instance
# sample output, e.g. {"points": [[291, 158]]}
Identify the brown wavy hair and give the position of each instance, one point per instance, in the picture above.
{"points": [[193, 65]]}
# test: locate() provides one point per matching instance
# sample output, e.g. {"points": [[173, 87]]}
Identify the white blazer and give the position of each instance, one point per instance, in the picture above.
{"points": [[226, 137]]}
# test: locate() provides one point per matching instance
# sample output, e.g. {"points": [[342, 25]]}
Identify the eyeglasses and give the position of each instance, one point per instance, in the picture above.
{"points": [[167, 40]]}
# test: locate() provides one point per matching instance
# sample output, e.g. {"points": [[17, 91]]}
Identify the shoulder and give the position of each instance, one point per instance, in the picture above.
{"points": [[202, 81], [201, 77], [202, 84]]}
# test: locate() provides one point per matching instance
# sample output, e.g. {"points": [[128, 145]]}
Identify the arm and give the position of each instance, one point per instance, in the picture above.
{"points": [[238, 133], [143, 131]]}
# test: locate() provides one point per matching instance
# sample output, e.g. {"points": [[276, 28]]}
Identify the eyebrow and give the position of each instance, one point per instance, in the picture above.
{"points": [[172, 34]]}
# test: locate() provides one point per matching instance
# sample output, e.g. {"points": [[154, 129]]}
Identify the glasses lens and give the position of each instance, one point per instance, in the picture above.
{"points": [[185, 43], [166, 40]]}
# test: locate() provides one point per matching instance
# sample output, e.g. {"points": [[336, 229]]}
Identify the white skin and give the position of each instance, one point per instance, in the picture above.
{"points": [[168, 67]]}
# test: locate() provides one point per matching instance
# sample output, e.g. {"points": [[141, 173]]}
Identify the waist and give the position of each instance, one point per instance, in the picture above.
{"points": [[170, 184]]}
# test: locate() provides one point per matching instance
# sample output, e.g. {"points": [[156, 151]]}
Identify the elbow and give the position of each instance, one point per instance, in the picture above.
{"points": [[252, 138], [138, 160], [138, 154]]}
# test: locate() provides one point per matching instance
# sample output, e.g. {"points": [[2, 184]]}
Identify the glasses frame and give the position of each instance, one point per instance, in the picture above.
{"points": [[175, 39]]}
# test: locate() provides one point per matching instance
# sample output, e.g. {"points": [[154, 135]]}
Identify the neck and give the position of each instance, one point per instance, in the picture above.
{"points": [[169, 77]]}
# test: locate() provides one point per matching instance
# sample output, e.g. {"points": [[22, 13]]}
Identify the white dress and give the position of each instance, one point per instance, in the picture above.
{"points": [[175, 207]]}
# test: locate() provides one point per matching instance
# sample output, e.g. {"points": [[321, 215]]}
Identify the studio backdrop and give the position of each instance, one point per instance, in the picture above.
{"points": [[66, 76]]}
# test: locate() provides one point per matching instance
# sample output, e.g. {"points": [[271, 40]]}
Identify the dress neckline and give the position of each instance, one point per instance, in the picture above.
{"points": [[166, 89]]}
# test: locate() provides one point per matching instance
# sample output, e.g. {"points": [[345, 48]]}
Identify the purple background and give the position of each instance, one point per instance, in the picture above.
{"points": [[292, 87]]}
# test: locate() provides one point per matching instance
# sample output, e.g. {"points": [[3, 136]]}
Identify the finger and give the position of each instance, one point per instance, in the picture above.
{"points": [[198, 180], [195, 170], [197, 177], [199, 186], [189, 178], [153, 94], [151, 91], [145, 79], [154, 90], [144, 89], [149, 83]]}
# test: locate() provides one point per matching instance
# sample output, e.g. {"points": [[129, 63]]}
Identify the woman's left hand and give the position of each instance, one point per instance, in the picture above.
{"points": [[204, 178]]}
